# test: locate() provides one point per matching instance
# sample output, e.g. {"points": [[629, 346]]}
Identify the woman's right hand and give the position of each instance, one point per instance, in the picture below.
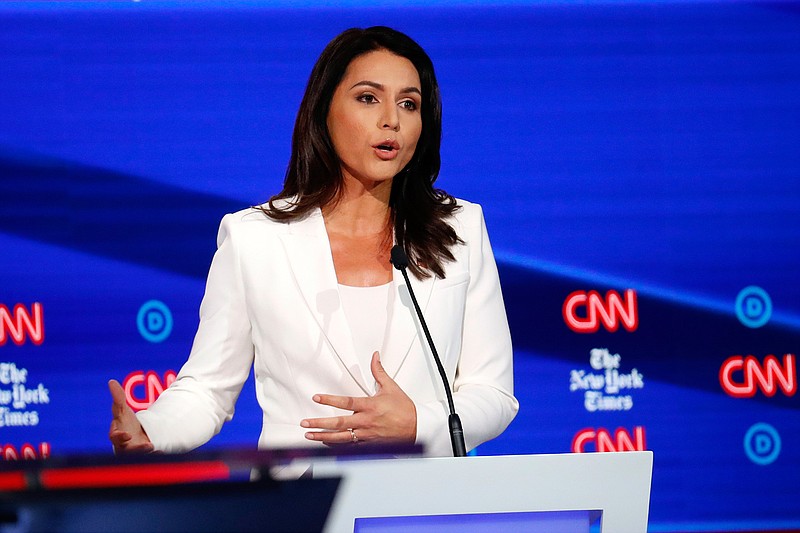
{"points": [[126, 433]]}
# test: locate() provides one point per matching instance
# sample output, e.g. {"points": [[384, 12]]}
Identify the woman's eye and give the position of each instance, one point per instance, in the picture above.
{"points": [[367, 98], [410, 105]]}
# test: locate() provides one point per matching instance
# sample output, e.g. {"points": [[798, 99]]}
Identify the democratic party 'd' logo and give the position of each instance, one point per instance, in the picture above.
{"points": [[753, 306], [154, 321], [762, 444]]}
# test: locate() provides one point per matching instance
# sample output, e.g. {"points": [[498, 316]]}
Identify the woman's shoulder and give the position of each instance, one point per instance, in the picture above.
{"points": [[250, 216], [248, 221], [259, 215], [469, 214]]}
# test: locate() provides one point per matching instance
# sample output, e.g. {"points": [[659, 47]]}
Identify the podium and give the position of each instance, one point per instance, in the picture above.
{"points": [[548, 493], [607, 492]]}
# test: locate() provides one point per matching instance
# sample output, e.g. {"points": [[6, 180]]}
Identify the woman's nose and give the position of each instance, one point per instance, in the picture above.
{"points": [[390, 118]]}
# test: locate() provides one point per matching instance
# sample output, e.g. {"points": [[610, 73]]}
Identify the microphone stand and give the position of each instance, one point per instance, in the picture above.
{"points": [[400, 262]]}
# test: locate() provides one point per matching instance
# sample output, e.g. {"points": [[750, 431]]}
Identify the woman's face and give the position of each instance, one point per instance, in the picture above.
{"points": [[374, 119]]}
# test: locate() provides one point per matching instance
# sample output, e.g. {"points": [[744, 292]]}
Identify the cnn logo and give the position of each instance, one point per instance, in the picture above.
{"points": [[21, 324], [142, 388], [602, 441], [742, 377], [584, 312], [8, 452]]}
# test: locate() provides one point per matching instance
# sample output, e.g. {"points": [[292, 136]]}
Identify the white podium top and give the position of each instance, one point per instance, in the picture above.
{"points": [[618, 484]]}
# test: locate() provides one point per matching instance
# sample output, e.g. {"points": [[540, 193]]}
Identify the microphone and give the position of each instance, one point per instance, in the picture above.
{"points": [[400, 261]]}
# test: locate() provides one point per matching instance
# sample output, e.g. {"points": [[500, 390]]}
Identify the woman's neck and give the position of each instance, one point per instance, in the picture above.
{"points": [[359, 211], [360, 234]]}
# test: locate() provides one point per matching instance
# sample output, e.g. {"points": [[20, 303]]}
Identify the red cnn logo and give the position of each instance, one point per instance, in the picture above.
{"points": [[768, 376], [151, 384], [9, 453], [612, 311], [22, 323], [602, 441]]}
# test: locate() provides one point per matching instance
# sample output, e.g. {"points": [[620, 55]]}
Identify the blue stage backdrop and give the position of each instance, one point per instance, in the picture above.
{"points": [[638, 163]]}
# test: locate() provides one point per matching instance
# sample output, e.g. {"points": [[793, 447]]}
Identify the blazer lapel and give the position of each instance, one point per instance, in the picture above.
{"points": [[309, 252], [404, 326]]}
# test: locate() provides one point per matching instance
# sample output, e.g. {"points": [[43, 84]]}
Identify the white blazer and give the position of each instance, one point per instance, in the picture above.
{"points": [[272, 302]]}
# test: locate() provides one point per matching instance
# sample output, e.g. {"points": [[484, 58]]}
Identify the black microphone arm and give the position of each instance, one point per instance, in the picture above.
{"points": [[400, 262]]}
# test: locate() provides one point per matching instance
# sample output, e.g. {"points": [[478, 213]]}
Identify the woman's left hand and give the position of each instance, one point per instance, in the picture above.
{"points": [[390, 415]]}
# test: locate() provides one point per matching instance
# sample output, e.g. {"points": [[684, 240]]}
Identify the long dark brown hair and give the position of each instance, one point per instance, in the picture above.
{"points": [[419, 212]]}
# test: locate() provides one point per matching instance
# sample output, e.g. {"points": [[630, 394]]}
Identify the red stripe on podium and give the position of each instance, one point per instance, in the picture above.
{"points": [[12, 481], [133, 475]]}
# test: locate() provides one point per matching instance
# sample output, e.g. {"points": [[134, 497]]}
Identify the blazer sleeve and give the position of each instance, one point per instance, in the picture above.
{"points": [[202, 398], [483, 388]]}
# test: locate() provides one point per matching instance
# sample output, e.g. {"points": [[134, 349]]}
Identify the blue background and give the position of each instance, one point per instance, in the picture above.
{"points": [[645, 145]]}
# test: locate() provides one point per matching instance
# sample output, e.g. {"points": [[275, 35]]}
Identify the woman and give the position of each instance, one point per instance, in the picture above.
{"points": [[302, 287]]}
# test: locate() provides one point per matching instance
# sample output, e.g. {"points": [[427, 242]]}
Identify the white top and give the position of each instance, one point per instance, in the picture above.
{"points": [[272, 307], [367, 313]]}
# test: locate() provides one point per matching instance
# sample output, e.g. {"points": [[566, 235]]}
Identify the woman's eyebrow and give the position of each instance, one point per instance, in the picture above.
{"points": [[380, 87]]}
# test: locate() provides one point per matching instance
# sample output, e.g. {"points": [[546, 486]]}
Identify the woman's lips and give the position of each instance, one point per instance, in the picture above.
{"points": [[387, 150], [386, 155]]}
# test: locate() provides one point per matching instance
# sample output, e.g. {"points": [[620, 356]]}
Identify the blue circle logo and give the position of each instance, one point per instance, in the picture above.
{"points": [[154, 321], [762, 444], [753, 306]]}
